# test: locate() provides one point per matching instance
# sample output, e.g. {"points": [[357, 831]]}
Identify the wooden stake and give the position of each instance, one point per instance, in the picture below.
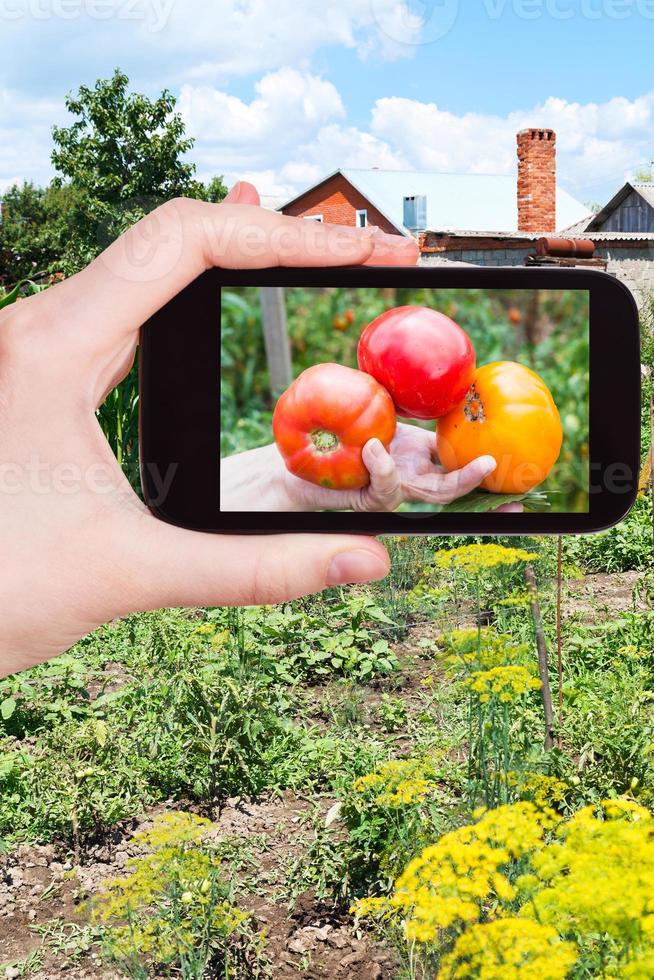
{"points": [[275, 335], [559, 639], [543, 658], [651, 456]]}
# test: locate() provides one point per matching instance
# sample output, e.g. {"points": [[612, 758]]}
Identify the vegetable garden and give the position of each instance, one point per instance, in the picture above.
{"points": [[447, 774]]}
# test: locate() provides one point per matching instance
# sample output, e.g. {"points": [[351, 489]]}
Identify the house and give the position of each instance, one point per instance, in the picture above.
{"points": [[494, 220], [622, 233], [407, 202]]}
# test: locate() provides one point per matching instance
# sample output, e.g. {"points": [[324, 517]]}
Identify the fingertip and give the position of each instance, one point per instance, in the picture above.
{"points": [[378, 462], [368, 562], [487, 463], [397, 250], [243, 193], [514, 508], [374, 449]]}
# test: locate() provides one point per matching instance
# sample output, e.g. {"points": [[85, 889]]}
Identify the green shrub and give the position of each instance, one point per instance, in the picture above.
{"points": [[626, 546]]}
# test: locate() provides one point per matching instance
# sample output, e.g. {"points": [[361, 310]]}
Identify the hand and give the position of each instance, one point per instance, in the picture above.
{"points": [[259, 480], [78, 546]]}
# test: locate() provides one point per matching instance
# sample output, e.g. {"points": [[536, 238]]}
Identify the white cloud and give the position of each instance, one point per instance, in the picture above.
{"points": [[599, 144], [287, 107], [294, 130], [25, 137], [229, 38], [293, 133]]}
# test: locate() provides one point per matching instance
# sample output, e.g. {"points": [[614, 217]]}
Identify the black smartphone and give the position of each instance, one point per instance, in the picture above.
{"points": [[260, 389]]}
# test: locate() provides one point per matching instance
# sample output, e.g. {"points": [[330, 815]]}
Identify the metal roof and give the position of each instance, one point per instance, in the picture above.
{"points": [[618, 236], [454, 201], [525, 236], [646, 191]]}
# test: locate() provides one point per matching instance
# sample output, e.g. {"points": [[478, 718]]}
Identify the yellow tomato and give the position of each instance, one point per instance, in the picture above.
{"points": [[508, 413]]}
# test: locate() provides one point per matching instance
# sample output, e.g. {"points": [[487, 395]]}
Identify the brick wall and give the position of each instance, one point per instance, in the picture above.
{"points": [[338, 201], [537, 180]]}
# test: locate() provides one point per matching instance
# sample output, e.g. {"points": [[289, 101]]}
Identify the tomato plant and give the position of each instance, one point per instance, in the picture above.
{"points": [[508, 413], [323, 420], [423, 358]]}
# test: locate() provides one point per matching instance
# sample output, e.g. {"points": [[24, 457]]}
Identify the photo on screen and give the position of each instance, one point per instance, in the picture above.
{"points": [[393, 399]]}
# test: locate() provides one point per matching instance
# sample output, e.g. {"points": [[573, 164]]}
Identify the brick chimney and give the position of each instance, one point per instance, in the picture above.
{"points": [[537, 180]]}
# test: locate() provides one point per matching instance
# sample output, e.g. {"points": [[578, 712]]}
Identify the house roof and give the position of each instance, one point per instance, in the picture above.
{"points": [[454, 201], [645, 189]]}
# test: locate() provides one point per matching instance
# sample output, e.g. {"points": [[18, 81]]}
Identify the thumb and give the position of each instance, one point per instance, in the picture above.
{"points": [[192, 568], [385, 484], [243, 193]]}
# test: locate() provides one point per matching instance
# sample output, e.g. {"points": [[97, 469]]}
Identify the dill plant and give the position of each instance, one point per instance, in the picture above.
{"points": [[172, 915], [525, 893]]}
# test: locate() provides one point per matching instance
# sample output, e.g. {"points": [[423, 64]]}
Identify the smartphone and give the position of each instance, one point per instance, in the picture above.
{"points": [[232, 375]]}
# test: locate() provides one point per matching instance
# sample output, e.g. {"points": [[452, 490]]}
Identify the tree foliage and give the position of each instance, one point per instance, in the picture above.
{"points": [[122, 156]]}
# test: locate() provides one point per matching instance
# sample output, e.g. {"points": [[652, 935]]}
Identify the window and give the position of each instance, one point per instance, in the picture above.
{"points": [[313, 217], [362, 219]]}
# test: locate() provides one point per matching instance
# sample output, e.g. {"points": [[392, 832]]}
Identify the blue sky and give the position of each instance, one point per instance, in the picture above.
{"points": [[282, 92]]}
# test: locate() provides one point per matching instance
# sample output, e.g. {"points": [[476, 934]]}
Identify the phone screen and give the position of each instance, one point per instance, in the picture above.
{"points": [[440, 377]]}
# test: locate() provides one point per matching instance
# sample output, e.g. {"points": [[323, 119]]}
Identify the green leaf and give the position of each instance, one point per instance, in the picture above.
{"points": [[374, 612], [480, 502], [7, 708], [14, 294]]}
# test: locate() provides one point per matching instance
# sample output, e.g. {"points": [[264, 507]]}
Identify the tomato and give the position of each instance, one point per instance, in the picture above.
{"points": [[508, 413], [424, 360], [323, 420]]}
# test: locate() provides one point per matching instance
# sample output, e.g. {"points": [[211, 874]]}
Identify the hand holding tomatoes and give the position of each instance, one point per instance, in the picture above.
{"points": [[508, 413], [425, 361], [324, 419]]}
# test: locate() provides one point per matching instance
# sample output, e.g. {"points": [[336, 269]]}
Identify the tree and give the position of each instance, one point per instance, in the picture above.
{"points": [[33, 230], [214, 191], [123, 156]]}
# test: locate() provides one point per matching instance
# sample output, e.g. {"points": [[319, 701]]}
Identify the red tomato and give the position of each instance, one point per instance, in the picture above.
{"points": [[324, 419], [424, 360]]}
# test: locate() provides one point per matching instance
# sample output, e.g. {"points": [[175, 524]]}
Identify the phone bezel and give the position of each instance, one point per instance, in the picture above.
{"points": [[179, 409]]}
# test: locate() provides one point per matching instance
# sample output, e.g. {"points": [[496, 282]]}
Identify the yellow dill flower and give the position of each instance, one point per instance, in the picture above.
{"points": [[400, 782], [373, 908], [543, 790], [206, 629], [506, 950], [475, 557], [482, 649], [640, 967], [171, 898], [451, 881], [503, 683], [516, 600], [407, 792], [174, 829], [599, 877]]}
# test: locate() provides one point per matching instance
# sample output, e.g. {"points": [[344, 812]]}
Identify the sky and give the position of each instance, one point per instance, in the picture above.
{"points": [[282, 92]]}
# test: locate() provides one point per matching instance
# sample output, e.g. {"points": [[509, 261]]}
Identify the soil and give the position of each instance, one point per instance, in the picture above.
{"points": [[602, 592], [40, 885], [311, 939]]}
